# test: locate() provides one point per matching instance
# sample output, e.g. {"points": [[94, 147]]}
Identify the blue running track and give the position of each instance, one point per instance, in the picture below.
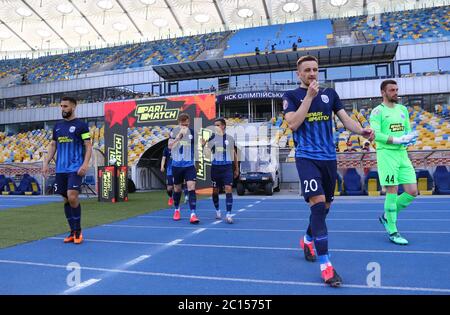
{"points": [[259, 254]]}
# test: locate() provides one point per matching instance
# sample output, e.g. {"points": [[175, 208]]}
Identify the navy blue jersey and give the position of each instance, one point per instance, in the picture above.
{"points": [[70, 137], [183, 151], [314, 138], [222, 149], [168, 154]]}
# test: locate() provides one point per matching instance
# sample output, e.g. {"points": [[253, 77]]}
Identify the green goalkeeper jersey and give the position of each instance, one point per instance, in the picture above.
{"points": [[386, 121]]}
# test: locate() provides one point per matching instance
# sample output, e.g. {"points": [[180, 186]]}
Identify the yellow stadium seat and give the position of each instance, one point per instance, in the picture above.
{"points": [[336, 189], [372, 187], [422, 186]]}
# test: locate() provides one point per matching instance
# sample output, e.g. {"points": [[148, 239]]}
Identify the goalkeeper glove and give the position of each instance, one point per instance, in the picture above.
{"points": [[407, 139]]}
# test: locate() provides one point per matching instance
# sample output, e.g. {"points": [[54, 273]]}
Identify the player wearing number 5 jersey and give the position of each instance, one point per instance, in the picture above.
{"points": [[390, 122], [308, 111]]}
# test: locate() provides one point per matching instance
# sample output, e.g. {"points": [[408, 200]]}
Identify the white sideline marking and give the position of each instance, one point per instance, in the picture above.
{"points": [[269, 230], [274, 248], [243, 280], [249, 206], [137, 260], [175, 242], [198, 231], [307, 219], [217, 222], [80, 286], [240, 210]]}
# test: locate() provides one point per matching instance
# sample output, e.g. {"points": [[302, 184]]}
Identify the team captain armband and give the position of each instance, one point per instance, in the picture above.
{"points": [[86, 136]]}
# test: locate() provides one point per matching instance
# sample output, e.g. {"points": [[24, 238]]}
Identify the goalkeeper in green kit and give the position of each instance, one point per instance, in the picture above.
{"points": [[390, 121]]}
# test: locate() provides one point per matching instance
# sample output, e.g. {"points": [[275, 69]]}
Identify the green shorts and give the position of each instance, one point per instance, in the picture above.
{"points": [[395, 168]]}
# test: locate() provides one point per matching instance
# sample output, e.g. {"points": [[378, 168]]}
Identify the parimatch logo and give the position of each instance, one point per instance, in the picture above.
{"points": [[122, 184], [117, 152], [107, 185], [202, 161], [396, 127], [156, 112]]}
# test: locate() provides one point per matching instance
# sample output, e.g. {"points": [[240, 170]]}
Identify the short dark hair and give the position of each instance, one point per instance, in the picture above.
{"points": [[385, 83], [69, 99], [306, 58], [183, 117], [222, 121]]}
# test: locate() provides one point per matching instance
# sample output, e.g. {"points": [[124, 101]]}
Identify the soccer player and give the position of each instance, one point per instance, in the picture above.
{"points": [[308, 111], [390, 122], [181, 143], [167, 161], [224, 154], [72, 141]]}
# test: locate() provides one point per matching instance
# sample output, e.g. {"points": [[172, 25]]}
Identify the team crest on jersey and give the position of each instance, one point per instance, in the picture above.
{"points": [[285, 104], [227, 142], [190, 137], [403, 116], [72, 129], [325, 98]]}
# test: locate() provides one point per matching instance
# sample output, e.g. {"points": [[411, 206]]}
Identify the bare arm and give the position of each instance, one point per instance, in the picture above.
{"points": [[174, 142], [236, 163], [87, 157], [353, 126], [296, 119], [51, 150]]}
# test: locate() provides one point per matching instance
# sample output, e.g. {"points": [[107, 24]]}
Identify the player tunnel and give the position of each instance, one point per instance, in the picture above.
{"points": [[147, 173]]}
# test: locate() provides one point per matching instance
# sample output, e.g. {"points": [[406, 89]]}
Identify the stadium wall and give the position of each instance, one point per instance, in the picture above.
{"points": [[85, 110], [407, 86]]}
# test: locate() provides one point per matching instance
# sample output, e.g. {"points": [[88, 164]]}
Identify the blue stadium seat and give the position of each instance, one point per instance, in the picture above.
{"points": [[441, 180], [10, 187], [352, 183]]}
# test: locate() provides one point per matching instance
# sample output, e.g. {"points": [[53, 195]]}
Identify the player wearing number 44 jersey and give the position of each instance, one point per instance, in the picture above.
{"points": [[393, 134], [308, 111]]}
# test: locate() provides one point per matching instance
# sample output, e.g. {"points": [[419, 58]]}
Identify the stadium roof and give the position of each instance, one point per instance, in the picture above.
{"points": [[48, 25], [333, 56]]}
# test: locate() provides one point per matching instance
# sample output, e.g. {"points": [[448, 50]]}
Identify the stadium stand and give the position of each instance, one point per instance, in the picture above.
{"points": [[412, 25], [67, 66], [303, 34]]}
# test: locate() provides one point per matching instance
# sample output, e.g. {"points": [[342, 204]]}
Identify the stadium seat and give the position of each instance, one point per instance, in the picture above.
{"points": [[28, 186], [372, 184], [441, 178], [424, 182], [10, 187], [352, 183], [338, 187]]}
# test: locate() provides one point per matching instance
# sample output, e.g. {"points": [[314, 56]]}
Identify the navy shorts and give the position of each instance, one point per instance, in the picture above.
{"points": [[169, 180], [181, 174], [67, 181], [317, 177], [222, 175]]}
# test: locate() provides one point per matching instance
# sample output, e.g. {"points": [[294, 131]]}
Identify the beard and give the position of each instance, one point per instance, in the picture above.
{"points": [[393, 99], [66, 114]]}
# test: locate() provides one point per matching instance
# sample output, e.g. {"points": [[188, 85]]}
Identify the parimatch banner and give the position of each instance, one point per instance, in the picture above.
{"points": [[122, 183], [107, 183], [119, 116]]}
